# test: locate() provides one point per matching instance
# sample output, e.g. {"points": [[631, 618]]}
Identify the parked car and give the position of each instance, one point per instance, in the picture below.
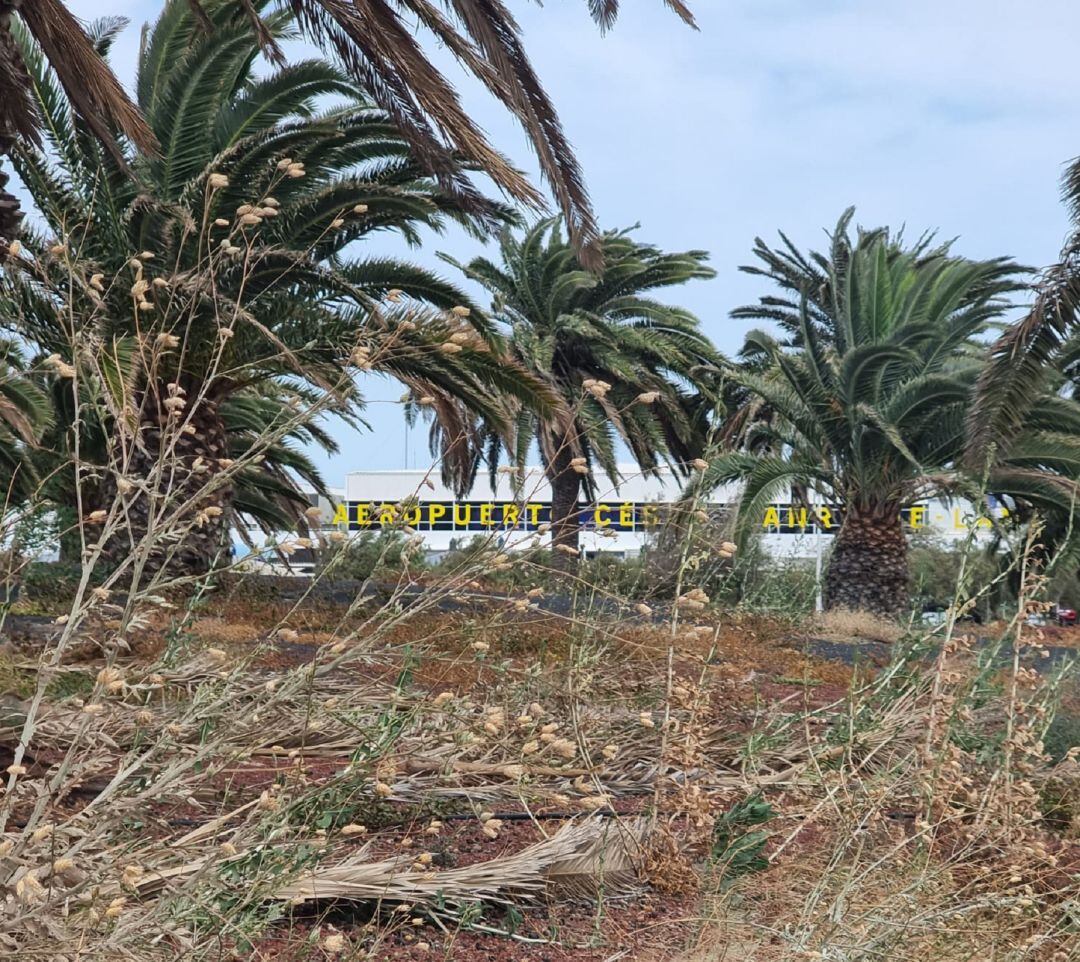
{"points": [[300, 564], [1066, 617]]}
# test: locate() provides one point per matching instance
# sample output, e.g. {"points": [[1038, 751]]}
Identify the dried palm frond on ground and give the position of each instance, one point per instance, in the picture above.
{"points": [[578, 860]]}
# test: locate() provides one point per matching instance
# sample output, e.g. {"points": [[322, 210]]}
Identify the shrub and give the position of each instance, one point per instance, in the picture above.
{"points": [[368, 554]]}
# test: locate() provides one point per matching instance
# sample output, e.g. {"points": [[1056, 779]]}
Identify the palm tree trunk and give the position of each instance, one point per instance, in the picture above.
{"points": [[185, 515], [868, 567], [565, 517], [14, 80]]}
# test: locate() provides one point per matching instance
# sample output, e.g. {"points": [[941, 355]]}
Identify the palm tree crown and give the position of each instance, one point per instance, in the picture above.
{"points": [[865, 398], [627, 367], [377, 43], [220, 267]]}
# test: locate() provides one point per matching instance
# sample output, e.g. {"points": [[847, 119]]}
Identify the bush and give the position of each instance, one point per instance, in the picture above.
{"points": [[935, 567], [380, 554], [51, 583]]}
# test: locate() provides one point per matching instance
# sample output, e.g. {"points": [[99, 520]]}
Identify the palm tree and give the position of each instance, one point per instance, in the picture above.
{"points": [[376, 42], [24, 416], [1031, 353], [865, 399], [627, 368], [214, 279]]}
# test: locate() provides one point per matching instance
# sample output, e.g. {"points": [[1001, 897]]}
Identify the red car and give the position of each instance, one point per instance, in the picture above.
{"points": [[1066, 617]]}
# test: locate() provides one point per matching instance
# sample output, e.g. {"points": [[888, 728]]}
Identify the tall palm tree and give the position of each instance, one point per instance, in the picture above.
{"points": [[628, 368], [214, 280], [377, 42], [865, 399]]}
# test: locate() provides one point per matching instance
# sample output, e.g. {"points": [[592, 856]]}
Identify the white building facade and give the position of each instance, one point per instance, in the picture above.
{"points": [[620, 521]]}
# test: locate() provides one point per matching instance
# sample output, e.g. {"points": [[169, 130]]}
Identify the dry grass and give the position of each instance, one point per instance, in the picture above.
{"points": [[845, 626], [905, 822]]}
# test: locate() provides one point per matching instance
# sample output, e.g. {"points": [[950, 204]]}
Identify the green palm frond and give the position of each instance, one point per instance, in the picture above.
{"points": [[566, 325], [865, 391]]}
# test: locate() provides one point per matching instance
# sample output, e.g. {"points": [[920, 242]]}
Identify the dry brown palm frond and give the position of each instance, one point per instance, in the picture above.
{"points": [[94, 91], [604, 12], [579, 859], [379, 48], [18, 115]]}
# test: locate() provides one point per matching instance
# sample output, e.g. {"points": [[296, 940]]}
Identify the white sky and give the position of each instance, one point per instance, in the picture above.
{"points": [[955, 115]]}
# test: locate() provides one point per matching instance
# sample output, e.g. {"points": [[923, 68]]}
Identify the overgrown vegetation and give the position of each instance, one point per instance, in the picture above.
{"points": [[515, 747]]}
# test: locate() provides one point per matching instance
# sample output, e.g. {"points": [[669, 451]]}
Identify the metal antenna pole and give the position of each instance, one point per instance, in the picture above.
{"points": [[819, 604]]}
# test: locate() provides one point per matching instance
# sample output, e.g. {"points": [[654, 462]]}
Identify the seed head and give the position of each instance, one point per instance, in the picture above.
{"points": [[59, 366], [564, 748]]}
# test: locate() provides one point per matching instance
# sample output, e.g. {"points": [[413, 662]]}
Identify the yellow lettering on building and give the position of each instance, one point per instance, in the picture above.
{"points": [[824, 517], [600, 515], [485, 515], [363, 515], [534, 512], [626, 515], [917, 516], [413, 516], [510, 515], [650, 516], [341, 514], [772, 518], [436, 511], [386, 514], [462, 514]]}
